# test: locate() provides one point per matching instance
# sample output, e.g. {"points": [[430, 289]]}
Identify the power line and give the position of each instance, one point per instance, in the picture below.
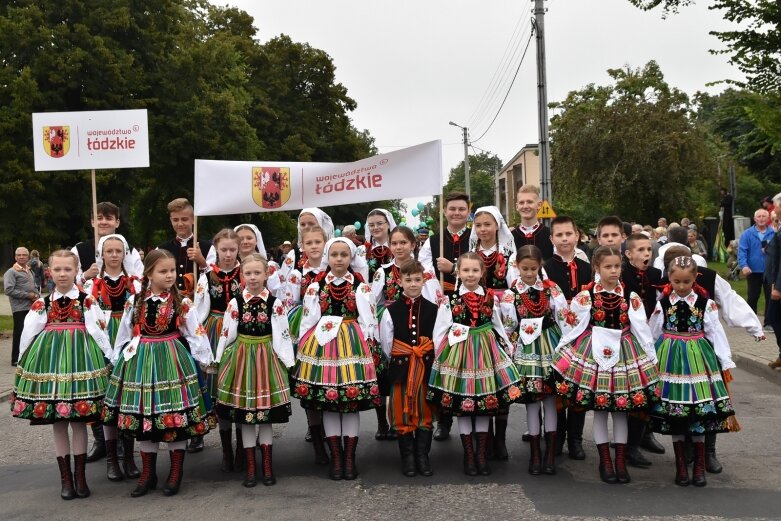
{"points": [[508, 89]]}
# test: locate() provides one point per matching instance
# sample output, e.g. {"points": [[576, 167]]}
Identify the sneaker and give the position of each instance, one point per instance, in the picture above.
{"points": [[768, 329]]}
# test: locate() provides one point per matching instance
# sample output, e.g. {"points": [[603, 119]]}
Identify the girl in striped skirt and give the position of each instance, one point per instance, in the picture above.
{"points": [[693, 351], [255, 351], [336, 365], [473, 375], [154, 393], [62, 376], [111, 289], [216, 288]]}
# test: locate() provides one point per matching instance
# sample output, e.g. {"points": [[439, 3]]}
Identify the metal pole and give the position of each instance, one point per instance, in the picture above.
{"points": [[466, 162], [542, 103]]}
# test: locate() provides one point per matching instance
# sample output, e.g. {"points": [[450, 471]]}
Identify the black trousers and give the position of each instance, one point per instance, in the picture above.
{"points": [[755, 284], [773, 318], [18, 327]]}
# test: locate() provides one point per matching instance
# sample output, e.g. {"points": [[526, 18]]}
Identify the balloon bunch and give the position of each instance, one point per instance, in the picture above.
{"points": [[338, 232]]}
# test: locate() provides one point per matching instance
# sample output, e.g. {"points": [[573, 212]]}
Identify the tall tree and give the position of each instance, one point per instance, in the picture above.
{"points": [[631, 148]]}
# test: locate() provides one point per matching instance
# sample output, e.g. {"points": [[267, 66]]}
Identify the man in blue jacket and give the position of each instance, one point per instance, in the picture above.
{"points": [[773, 277], [752, 248]]}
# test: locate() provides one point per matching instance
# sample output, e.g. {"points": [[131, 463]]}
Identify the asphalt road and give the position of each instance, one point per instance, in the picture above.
{"points": [[748, 488]]}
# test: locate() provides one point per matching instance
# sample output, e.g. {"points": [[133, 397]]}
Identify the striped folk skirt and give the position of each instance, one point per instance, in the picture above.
{"points": [[112, 327], [62, 376], [694, 397], [213, 327], [474, 377], [338, 376], [252, 383], [630, 385], [534, 363], [157, 395]]}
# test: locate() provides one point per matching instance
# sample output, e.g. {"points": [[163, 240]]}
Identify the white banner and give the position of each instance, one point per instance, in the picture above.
{"points": [[231, 187], [90, 140]]}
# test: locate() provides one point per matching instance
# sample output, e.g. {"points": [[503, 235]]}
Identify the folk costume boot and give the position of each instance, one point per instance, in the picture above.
{"points": [[407, 452], [535, 456], [113, 472], [148, 478], [66, 477], [500, 440], [239, 463], [227, 450], [576, 420], [250, 480], [606, 471], [268, 473], [337, 468], [383, 427], [470, 467], [79, 476], [174, 480], [98, 448], [561, 429], [195, 444], [650, 443], [444, 424], [681, 469], [128, 463], [321, 456], [622, 476], [490, 439], [637, 429], [698, 473], [549, 464], [350, 469], [481, 460], [422, 448], [712, 464]]}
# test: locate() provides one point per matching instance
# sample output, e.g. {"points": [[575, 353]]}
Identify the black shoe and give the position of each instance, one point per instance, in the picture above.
{"points": [[635, 458], [575, 449], [195, 445], [128, 463], [98, 448], [422, 449], [382, 423], [575, 422], [712, 464], [500, 437], [308, 437], [442, 432], [526, 437], [651, 444], [407, 452], [113, 472]]}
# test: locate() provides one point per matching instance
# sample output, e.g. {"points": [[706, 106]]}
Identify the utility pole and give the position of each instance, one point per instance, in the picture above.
{"points": [[542, 103], [466, 157]]}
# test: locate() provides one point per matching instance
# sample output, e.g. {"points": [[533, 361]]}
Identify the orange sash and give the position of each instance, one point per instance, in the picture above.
{"points": [[415, 372]]}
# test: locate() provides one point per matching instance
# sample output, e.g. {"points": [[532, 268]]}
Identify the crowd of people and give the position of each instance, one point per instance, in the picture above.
{"points": [[221, 335]]}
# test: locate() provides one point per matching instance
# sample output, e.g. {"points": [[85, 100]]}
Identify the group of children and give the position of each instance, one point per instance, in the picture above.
{"points": [[345, 329]]}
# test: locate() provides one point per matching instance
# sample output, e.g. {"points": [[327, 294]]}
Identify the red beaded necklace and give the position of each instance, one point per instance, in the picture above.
{"points": [[162, 317], [339, 292], [537, 309], [607, 301], [61, 313]]}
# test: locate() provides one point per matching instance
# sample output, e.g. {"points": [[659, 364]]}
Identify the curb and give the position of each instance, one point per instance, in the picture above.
{"points": [[755, 367]]}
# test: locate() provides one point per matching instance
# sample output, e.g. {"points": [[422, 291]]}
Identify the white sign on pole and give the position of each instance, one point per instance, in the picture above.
{"points": [[90, 140], [231, 187]]}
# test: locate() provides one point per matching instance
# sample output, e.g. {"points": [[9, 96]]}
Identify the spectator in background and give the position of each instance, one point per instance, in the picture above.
{"points": [[36, 266], [695, 244], [661, 223], [19, 286], [351, 233], [725, 212], [685, 222], [422, 235], [752, 249], [284, 249], [773, 277], [660, 235]]}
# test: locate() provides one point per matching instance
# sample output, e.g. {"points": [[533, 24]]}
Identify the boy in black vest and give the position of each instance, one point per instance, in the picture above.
{"points": [[187, 256]]}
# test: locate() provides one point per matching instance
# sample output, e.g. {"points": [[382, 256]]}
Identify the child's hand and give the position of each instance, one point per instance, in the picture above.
{"points": [[195, 255], [91, 273]]}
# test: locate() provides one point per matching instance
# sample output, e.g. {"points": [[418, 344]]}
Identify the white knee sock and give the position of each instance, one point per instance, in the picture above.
{"points": [[177, 445], [481, 423], [551, 414], [600, 427], [61, 442], [110, 433], [533, 418], [148, 446], [332, 423], [265, 434], [620, 427], [465, 425], [79, 441], [351, 424]]}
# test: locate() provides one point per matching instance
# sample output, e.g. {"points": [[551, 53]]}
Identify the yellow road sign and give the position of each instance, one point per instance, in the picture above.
{"points": [[546, 211]]}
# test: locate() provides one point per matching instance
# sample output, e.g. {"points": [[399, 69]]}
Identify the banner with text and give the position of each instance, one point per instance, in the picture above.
{"points": [[231, 187], [90, 140]]}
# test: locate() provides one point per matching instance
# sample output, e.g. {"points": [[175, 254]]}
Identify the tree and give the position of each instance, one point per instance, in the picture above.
{"points": [[631, 148], [482, 182], [755, 48]]}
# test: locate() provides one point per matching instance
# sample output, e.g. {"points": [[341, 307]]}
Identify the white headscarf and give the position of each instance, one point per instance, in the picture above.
{"points": [[358, 263], [127, 262], [258, 238], [506, 241], [323, 219], [388, 217]]}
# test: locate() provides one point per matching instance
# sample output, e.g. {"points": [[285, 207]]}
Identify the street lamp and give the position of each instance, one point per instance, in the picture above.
{"points": [[466, 157]]}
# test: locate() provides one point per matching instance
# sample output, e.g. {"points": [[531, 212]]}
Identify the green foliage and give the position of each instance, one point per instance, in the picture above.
{"points": [[212, 91], [631, 148], [482, 180]]}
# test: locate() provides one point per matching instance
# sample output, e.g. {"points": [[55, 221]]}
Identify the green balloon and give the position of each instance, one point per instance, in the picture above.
{"points": [[421, 206], [430, 220], [415, 212], [337, 233], [357, 225]]}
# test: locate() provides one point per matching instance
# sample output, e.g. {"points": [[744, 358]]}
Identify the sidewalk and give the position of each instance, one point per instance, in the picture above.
{"points": [[749, 355]]}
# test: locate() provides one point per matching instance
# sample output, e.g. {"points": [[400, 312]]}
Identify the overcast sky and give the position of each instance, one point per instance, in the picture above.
{"points": [[413, 66]]}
